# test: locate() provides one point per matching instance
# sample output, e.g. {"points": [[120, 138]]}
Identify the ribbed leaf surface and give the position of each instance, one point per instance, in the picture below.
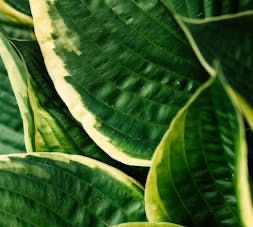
{"points": [[11, 127], [207, 8], [53, 189], [199, 175], [123, 68], [231, 47], [48, 123]]}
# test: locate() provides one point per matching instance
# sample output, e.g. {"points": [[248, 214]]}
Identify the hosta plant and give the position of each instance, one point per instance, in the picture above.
{"points": [[126, 113]]}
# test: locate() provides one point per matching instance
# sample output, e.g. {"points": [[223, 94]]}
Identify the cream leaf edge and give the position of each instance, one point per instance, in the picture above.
{"points": [[15, 15], [16, 74], [58, 72], [91, 163], [242, 185], [240, 102], [151, 190]]}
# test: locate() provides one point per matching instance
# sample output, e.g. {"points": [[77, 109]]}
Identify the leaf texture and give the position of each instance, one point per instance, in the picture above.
{"points": [[53, 189], [231, 47], [11, 127], [207, 8], [199, 175], [123, 68], [48, 124]]}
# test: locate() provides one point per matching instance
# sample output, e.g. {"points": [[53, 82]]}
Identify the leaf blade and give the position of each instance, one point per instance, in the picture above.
{"points": [[104, 51], [69, 202], [191, 178], [241, 68]]}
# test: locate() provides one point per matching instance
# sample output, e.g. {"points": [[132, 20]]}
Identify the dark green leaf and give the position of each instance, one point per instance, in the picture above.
{"points": [[11, 127], [207, 8], [199, 175], [48, 124], [231, 47], [53, 189], [123, 68]]}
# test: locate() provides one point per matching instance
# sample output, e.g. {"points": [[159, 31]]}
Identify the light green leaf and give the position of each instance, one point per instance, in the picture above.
{"points": [[11, 127], [147, 224], [123, 68], [17, 10], [249, 136], [18, 76], [50, 126], [232, 47], [54, 189], [199, 175], [207, 8]]}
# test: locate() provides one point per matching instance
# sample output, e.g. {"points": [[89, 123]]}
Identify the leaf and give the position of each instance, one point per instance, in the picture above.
{"points": [[48, 124], [123, 68], [11, 127], [147, 224], [21, 5], [16, 11], [15, 30], [249, 136], [54, 189], [231, 46], [18, 75], [15, 18], [199, 174], [207, 8]]}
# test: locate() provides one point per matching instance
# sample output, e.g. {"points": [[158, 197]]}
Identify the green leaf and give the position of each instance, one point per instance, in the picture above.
{"points": [[15, 18], [20, 5], [123, 68], [54, 189], [18, 76], [249, 136], [17, 11], [15, 30], [207, 8], [199, 175], [11, 127], [48, 124], [232, 47], [147, 224]]}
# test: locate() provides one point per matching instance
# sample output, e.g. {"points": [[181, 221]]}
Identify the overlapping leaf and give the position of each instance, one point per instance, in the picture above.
{"points": [[17, 11], [232, 47], [123, 68], [199, 175], [21, 5], [48, 124], [147, 224], [207, 8], [11, 127], [15, 30], [15, 18], [53, 189]]}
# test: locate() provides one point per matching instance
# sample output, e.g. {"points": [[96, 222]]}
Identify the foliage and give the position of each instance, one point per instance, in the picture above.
{"points": [[96, 95]]}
